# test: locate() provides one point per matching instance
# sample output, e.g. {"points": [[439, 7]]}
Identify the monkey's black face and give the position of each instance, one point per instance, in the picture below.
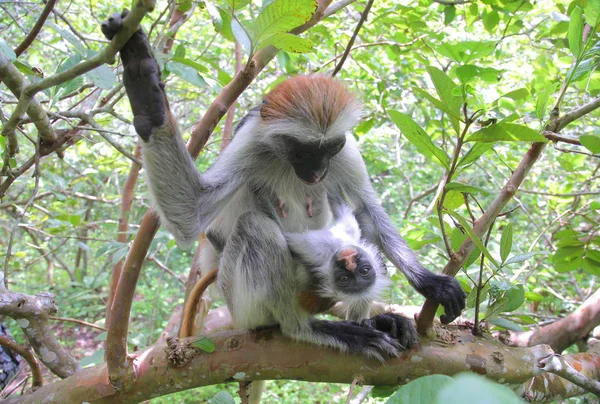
{"points": [[311, 159], [353, 272]]}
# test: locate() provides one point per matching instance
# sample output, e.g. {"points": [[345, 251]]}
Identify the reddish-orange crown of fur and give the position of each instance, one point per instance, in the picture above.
{"points": [[318, 99]]}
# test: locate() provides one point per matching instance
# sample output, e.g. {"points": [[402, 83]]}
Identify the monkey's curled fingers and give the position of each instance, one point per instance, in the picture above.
{"points": [[446, 291], [396, 326], [141, 77]]}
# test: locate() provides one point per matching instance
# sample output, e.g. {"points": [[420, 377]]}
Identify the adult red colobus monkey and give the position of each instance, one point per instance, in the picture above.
{"points": [[292, 163]]}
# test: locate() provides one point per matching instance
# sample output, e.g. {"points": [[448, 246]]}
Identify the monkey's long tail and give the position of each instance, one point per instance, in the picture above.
{"points": [[191, 306]]}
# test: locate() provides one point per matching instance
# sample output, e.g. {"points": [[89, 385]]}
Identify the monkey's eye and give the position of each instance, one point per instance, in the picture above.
{"points": [[302, 155], [343, 279], [364, 271]]}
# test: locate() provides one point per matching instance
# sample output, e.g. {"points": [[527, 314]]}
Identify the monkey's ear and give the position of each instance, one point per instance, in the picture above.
{"points": [[263, 114]]}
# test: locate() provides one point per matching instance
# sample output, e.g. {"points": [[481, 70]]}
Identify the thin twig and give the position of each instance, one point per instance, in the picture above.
{"points": [[34, 365], [28, 40], [363, 18], [76, 321]]}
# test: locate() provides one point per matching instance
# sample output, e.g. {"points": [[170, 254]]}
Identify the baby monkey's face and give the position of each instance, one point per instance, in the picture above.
{"points": [[354, 270]]}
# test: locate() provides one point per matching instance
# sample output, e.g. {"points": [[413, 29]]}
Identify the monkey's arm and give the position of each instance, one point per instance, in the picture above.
{"points": [[185, 201], [378, 228]]}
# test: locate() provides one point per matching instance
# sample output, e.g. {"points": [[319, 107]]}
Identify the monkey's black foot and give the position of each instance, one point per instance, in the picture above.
{"points": [[446, 291], [396, 326], [112, 25]]}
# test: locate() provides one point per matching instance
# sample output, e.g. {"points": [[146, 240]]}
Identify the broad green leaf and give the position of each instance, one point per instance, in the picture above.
{"points": [[383, 391], [590, 142], [474, 153], [496, 308], [215, 16], [24, 68], [583, 69], [505, 323], [449, 14], [543, 100], [241, 36], [490, 20], [453, 200], [187, 73], [281, 16], [468, 227], [465, 51], [506, 242], [515, 296], [457, 186], [237, 4], [419, 138], [422, 390], [437, 103], [470, 388], [66, 34], [222, 397], [180, 51], [444, 87], [103, 77], [204, 344], [188, 62], [226, 31], [94, 359], [591, 262], [568, 259], [6, 50], [515, 259], [534, 297], [591, 11], [184, 6], [288, 42], [467, 73], [506, 132], [472, 297], [576, 31], [518, 94]]}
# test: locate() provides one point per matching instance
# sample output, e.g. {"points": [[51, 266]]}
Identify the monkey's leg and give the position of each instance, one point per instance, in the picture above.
{"points": [[185, 201]]}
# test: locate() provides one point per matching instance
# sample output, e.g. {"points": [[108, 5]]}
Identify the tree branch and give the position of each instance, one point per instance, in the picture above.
{"points": [[36, 372], [28, 40], [363, 18], [244, 356]]}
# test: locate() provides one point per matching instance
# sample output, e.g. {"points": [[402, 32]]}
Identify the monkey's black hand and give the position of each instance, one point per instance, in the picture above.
{"points": [[141, 77], [396, 326], [446, 291]]}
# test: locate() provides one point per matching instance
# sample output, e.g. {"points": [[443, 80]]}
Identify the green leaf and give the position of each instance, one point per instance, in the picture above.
{"points": [[185, 5], [518, 94], [591, 262], [66, 34], [103, 77], [180, 51], [467, 73], [465, 51], [469, 388], [468, 227], [592, 12], [457, 186], [222, 397], [241, 36], [543, 100], [437, 103], [6, 50], [281, 16], [215, 16], [515, 259], [474, 153], [534, 297], [188, 62], [187, 73], [515, 296], [383, 391], [505, 323], [511, 132], [590, 142], [204, 344], [419, 138], [94, 359], [472, 297], [422, 390], [288, 42], [444, 87], [226, 30], [496, 308], [566, 259], [237, 4], [490, 20], [449, 14], [576, 31], [506, 242]]}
